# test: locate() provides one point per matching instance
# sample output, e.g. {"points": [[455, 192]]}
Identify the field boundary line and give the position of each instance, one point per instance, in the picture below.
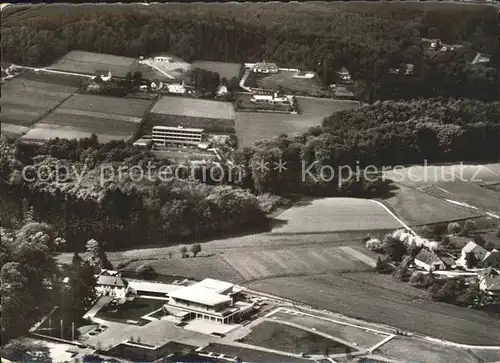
{"points": [[394, 216], [458, 345], [338, 322], [382, 342]]}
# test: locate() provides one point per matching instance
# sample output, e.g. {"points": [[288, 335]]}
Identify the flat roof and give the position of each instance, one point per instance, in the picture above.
{"points": [[176, 128], [200, 295], [215, 285], [153, 286], [192, 107]]}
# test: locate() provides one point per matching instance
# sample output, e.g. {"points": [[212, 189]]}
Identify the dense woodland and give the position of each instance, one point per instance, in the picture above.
{"points": [[368, 39], [33, 283], [387, 133]]}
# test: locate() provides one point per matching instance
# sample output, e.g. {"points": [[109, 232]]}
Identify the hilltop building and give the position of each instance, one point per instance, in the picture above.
{"points": [[265, 67]]}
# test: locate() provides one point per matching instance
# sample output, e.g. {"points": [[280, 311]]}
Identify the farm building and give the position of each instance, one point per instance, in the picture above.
{"points": [[265, 67], [431, 261], [110, 283], [104, 75], [482, 257], [163, 135], [273, 98], [212, 116]]}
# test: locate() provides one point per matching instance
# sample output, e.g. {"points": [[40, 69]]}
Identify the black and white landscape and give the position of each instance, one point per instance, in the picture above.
{"points": [[250, 182]]}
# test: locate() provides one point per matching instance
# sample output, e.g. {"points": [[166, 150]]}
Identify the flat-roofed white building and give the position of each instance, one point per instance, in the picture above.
{"points": [[210, 300], [163, 135]]}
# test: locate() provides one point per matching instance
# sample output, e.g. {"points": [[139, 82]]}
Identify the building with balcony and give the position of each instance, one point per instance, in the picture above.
{"points": [[164, 135], [210, 300]]}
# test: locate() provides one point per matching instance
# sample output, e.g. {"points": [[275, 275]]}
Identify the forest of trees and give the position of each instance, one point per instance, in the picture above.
{"points": [[31, 281], [386, 133], [368, 40]]}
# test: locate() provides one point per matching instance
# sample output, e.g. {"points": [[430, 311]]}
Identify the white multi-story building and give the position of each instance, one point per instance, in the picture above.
{"points": [[163, 135], [210, 300]]}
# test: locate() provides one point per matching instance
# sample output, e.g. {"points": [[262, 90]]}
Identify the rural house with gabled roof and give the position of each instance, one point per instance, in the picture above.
{"points": [[431, 261], [104, 75], [110, 283], [483, 257]]}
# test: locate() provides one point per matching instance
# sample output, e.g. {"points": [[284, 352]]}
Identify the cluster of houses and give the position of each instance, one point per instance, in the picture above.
{"points": [[473, 258]]}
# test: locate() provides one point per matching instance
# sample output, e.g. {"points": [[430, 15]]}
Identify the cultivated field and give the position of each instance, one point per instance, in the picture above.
{"points": [[196, 268], [190, 107], [285, 80], [254, 126], [446, 192], [227, 70], [359, 300], [347, 333], [334, 214], [418, 176], [83, 115], [26, 98], [295, 261], [291, 339], [88, 63], [108, 105], [420, 351], [417, 208]]}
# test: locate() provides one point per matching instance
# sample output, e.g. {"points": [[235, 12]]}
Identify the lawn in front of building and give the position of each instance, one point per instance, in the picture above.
{"points": [[287, 338], [130, 311]]}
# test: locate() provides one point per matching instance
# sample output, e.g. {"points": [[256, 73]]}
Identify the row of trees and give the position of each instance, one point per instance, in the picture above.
{"points": [[369, 43]]}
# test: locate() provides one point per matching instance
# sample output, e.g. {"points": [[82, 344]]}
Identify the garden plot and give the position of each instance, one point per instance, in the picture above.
{"points": [[334, 214], [88, 63]]}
